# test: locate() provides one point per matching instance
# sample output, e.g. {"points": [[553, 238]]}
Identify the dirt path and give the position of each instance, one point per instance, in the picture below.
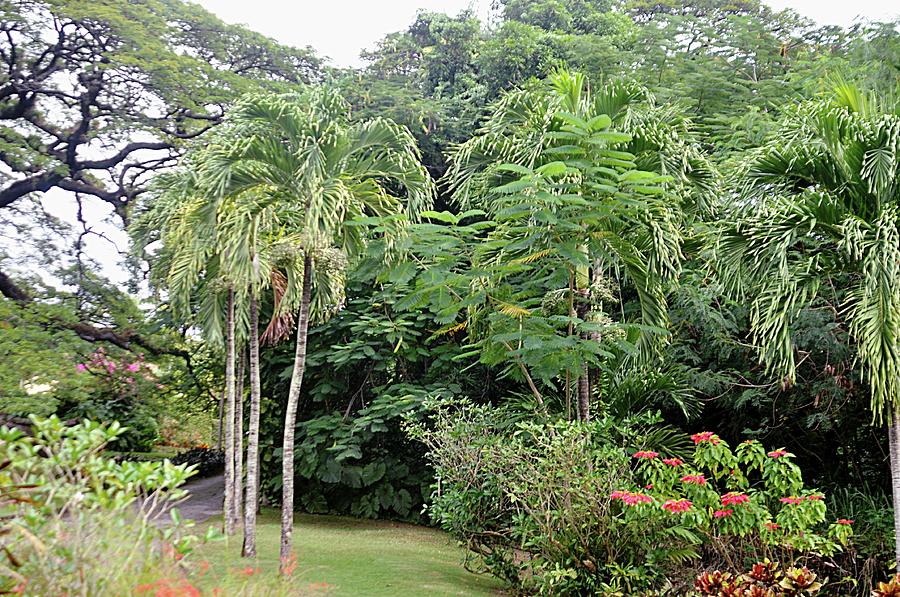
{"points": [[204, 499]]}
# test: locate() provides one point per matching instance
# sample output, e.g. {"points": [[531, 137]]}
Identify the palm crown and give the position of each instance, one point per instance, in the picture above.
{"points": [[821, 205]]}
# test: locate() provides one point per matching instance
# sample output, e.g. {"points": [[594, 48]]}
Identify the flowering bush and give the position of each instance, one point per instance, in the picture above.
{"points": [[734, 504], [119, 389]]}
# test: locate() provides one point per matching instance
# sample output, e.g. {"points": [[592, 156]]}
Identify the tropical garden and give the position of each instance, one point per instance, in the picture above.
{"points": [[597, 297]]}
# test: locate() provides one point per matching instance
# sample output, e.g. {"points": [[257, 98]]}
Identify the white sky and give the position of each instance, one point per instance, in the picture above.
{"points": [[340, 29]]}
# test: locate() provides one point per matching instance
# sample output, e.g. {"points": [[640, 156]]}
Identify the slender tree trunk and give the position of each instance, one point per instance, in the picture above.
{"points": [[250, 506], [582, 310], [290, 419], [229, 415], [221, 421], [584, 396], [239, 436], [894, 443]]}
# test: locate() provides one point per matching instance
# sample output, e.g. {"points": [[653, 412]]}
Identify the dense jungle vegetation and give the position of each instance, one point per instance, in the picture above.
{"points": [[587, 287]]}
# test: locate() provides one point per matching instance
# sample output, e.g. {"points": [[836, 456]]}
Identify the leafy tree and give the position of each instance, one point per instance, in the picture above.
{"points": [[821, 214], [571, 214], [114, 79]]}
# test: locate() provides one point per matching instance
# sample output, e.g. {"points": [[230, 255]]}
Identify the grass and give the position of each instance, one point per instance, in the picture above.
{"points": [[344, 556]]}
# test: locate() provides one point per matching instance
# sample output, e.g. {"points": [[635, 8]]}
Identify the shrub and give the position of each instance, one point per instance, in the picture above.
{"points": [[83, 511], [531, 501]]}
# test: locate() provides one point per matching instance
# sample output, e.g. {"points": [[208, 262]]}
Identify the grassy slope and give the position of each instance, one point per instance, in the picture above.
{"points": [[358, 558]]}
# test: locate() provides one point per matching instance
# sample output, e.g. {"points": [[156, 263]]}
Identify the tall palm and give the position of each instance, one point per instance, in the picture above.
{"points": [[563, 119], [303, 153], [821, 208], [187, 220], [249, 228]]}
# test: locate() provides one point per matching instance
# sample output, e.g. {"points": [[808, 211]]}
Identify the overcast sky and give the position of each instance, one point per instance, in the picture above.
{"points": [[340, 29]]}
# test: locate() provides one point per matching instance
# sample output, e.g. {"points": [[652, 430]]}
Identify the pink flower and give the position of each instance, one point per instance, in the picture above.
{"points": [[815, 497], [777, 453], [722, 513], [631, 498], [111, 366], [694, 479], [129, 380], [133, 367], [673, 461], [735, 497], [646, 454], [793, 500], [81, 367], [677, 506], [706, 436], [844, 521]]}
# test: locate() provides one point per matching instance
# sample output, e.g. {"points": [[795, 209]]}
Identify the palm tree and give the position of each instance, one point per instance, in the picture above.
{"points": [[326, 173], [821, 208], [186, 219], [250, 228], [563, 120]]}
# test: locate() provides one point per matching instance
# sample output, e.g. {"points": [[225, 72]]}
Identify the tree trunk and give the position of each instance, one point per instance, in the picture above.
{"points": [[584, 396], [582, 311], [229, 415], [250, 506], [894, 443], [219, 441], [239, 436], [290, 419]]}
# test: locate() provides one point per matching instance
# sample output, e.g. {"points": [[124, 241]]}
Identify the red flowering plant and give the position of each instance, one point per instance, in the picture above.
{"points": [[746, 499]]}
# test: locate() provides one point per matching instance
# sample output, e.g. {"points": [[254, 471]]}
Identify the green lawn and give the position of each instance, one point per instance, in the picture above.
{"points": [[356, 558]]}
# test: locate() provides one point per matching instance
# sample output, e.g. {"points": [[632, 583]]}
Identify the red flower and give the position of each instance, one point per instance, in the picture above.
{"points": [[844, 521], [677, 506], [793, 500], [673, 461], [815, 497], [694, 479], [772, 526], [631, 498], [289, 564], [705, 436], [722, 513], [735, 497], [777, 453], [248, 571], [646, 454]]}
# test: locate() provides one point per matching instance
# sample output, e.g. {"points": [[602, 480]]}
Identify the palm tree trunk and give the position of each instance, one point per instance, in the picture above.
{"points": [[290, 419], [229, 415], [584, 396], [239, 436], [221, 421], [249, 548], [894, 447]]}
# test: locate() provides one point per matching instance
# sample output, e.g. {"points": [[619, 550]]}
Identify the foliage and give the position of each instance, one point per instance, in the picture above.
{"points": [[104, 74], [81, 508], [764, 578], [558, 508]]}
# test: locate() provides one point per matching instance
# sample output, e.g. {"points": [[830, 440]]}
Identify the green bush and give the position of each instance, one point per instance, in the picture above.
{"points": [[530, 501], [69, 512]]}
